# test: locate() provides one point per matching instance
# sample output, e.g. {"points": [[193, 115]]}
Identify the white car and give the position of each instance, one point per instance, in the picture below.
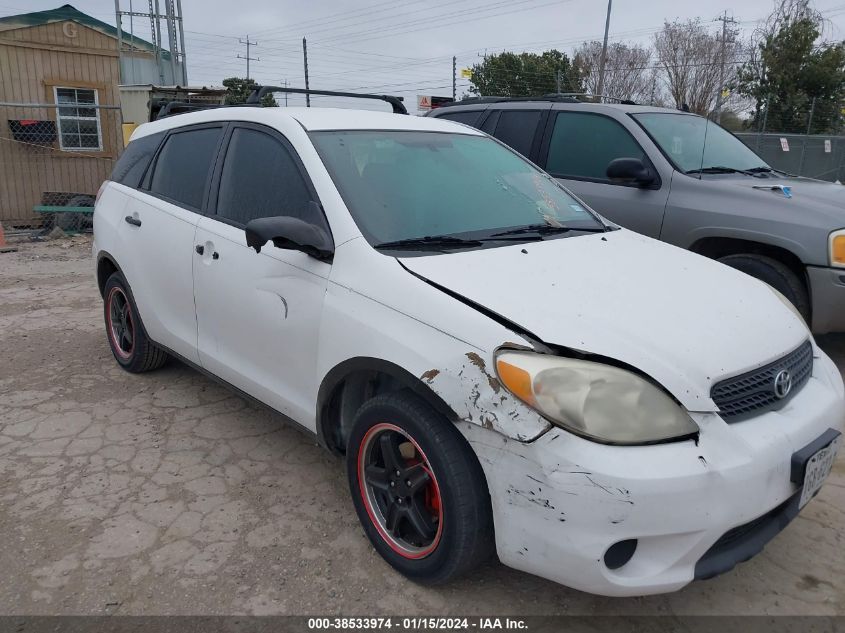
{"points": [[502, 368]]}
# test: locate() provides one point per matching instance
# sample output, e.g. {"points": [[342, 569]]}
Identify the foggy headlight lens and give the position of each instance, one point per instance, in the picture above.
{"points": [[598, 401]]}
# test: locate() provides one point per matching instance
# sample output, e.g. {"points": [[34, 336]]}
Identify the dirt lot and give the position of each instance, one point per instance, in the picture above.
{"points": [[164, 494]]}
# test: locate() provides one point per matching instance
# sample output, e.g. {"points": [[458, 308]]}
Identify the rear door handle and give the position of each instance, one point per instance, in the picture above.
{"points": [[132, 220]]}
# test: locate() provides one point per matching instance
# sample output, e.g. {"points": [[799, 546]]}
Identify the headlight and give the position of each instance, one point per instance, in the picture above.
{"points": [[837, 248], [597, 401]]}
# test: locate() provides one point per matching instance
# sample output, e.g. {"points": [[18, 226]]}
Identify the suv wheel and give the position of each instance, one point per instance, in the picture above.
{"points": [[777, 275], [418, 489], [127, 338]]}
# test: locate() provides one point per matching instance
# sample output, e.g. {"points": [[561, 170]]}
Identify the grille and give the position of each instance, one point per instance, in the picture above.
{"points": [[752, 393]]}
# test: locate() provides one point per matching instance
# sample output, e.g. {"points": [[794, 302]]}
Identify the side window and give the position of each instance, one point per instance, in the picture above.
{"points": [[182, 168], [468, 118], [582, 145], [261, 179], [517, 128], [132, 164]]}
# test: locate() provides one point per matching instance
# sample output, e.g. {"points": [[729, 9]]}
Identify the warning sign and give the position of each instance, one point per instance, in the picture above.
{"points": [[784, 144], [423, 102], [827, 146]]}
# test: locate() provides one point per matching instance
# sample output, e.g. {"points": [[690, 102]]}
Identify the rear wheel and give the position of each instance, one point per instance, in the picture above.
{"points": [[776, 274], [127, 338], [418, 489]]}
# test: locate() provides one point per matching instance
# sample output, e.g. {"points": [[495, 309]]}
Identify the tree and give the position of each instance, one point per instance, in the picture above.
{"points": [[689, 62], [238, 89], [524, 75], [791, 74], [628, 73]]}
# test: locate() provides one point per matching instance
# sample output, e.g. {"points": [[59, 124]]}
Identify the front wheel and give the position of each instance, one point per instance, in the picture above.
{"points": [[778, 275], [418, 489]]}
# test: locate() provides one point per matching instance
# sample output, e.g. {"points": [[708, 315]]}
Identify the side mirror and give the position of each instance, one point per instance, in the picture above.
{"points": [[630, 169], [291, 234]]}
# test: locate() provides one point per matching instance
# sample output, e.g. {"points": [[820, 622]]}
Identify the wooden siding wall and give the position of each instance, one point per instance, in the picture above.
{"points": [[34, 60]]}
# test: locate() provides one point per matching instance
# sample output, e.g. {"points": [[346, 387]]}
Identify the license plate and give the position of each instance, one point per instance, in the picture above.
{"points": [[818, 468]]}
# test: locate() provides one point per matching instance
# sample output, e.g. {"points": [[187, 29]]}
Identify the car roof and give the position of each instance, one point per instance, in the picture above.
{"points": [[311, 119], [518, 104]]}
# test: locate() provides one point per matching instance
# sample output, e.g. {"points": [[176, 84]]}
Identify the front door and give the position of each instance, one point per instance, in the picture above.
{"points": [[577, 151], [258, 314]]}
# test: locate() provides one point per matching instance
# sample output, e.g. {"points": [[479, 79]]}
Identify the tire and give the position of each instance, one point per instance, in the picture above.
{"points": [[448, 496], [128, 340], [777, 275]]}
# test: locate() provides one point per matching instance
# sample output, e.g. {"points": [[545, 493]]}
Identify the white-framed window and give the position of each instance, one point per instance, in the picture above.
{"points": [[78, 119]]}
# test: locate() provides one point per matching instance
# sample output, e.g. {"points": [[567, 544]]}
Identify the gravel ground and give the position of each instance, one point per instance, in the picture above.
{"points": [[165, 494]]}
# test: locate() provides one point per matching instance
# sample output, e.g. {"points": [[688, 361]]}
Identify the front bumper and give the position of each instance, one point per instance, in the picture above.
{"points": [[827, 294], [561, 502]]}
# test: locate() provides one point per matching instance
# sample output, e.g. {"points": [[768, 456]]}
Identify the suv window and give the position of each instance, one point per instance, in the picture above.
{"points": [[182, 168], [466, 117], [582, 146], [516, 128], [261, 179], [130, 167]]}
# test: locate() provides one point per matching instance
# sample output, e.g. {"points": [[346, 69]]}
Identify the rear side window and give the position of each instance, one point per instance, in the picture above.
{"points": [[261, 179], [516, 128], [182, 168], [582, 145], [130, 167], [467, 118]]}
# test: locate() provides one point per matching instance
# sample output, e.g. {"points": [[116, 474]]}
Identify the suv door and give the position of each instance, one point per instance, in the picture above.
{"points": [[258, 314], [577, 149], [161, 219]]}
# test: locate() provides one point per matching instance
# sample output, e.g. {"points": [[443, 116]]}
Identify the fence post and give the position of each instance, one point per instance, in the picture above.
{"points": [[762, 130], [804, 144]]}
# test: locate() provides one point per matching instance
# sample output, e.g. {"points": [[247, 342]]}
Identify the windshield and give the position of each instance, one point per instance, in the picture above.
{"points": [[412, 185], [682, 139]]}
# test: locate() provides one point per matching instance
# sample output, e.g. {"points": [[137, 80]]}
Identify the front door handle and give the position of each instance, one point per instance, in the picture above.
{"points": [[132, 220], [200, 249], [215, 255]]}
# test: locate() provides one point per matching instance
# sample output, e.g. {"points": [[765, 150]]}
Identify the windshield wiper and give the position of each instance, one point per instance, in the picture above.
{"points": [[718, 169], [548, 229], [759, 170], [430, 241]]}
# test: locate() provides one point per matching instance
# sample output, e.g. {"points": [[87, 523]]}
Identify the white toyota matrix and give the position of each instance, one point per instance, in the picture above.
{"points": [[503, 369]]}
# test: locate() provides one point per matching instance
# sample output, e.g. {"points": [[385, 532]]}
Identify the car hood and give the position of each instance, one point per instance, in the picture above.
{"points": [[684, 320], [823, 197]]}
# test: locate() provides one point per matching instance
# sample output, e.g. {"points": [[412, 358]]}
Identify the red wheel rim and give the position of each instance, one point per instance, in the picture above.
{"points": [[119, 323], [400, 491]]}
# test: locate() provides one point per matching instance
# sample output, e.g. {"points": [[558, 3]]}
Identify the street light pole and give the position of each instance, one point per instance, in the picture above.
{"points": [[603, 59]]}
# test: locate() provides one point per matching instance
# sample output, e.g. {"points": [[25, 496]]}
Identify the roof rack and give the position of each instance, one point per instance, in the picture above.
{"points": [[558, 97], [259, 91], [172, 108]]}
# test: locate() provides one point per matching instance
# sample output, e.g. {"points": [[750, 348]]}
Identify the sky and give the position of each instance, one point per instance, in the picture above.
{"points": [[405, 48]]}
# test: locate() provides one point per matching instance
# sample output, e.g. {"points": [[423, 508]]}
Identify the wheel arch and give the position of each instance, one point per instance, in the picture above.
{"points": [[106, 266], [716, 247], [347, 385]]}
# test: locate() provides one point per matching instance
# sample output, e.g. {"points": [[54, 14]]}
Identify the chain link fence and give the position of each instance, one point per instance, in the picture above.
{"points": [[53, 159]]}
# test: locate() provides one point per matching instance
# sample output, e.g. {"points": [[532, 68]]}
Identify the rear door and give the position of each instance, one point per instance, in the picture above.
{"points": [[577, 149], [159, 227], [258, 314], [521, 129]]}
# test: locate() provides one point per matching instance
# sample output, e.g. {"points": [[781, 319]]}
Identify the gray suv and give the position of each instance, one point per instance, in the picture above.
{"points": [[679, 178]]}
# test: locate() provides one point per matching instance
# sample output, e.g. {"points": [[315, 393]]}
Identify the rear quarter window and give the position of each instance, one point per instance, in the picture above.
{"points": [[130, 167], [466, 117]]}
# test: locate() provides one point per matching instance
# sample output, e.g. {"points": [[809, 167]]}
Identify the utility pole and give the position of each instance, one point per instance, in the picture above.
{"points": [[454, 78], [724, 19], [557, 80], [248, 58], [603, 59], [286, 94], [305, 62]]}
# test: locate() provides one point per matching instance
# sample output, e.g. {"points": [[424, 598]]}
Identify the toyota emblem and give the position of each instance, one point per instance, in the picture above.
{"points": [[782, 384]]}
